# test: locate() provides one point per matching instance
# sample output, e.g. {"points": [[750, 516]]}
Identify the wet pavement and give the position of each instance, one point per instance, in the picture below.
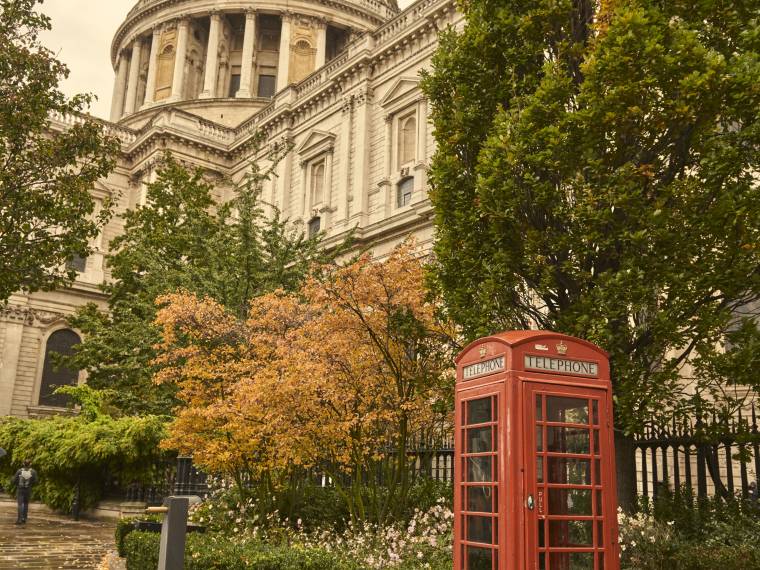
{"points": [[49, 541]]}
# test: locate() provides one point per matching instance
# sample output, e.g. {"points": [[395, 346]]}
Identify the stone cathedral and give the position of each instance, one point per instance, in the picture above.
{"points": [[336, 81]]}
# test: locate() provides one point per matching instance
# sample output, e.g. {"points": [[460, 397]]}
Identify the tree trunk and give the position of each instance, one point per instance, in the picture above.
{"points": [[625, 469]]}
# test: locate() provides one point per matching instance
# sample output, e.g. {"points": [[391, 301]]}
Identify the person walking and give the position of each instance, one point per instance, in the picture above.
{"points": [[24, 479]]}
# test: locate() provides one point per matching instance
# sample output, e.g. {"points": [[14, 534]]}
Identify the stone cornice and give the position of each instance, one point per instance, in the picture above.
{"points": [[28, 316]]}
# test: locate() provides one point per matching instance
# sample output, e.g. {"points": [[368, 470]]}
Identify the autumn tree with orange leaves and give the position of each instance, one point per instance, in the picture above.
{"points": [[341, 376]]}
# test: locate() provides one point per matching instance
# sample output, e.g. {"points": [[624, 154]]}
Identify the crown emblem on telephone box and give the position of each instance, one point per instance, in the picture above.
{"points": [[561, 348]]}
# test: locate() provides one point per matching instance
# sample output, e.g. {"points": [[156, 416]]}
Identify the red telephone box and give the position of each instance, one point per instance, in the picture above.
{"points": [[534, 458]]}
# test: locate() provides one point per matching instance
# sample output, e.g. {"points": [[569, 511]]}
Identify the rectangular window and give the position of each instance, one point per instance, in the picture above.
{"points": [[234, 84], [77, 263], [267, 85], [314, 226]]}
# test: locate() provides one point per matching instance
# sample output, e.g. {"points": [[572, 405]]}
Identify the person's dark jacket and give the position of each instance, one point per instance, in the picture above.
{"points": [[23, 480]]}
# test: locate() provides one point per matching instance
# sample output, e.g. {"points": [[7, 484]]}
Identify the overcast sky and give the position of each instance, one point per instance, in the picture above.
{"points": [[81, 36]]}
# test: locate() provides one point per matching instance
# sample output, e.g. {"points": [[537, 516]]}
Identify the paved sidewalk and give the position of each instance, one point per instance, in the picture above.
{"points": [[49, 541]]}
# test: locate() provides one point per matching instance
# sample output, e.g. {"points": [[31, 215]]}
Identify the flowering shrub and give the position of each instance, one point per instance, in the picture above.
{"points": [[645, 542], [424, 542], [678, 532]]}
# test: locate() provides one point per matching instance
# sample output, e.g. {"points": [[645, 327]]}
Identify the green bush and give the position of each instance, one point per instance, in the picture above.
{"points": [[126, 525], [679, 532], [67, 451], [216, 552]]}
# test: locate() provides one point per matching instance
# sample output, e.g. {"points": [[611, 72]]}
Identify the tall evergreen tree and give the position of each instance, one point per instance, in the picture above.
{"points": [[596, 174], [179, 241]]}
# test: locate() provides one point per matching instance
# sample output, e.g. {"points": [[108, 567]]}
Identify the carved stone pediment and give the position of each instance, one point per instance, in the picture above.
{"points": [[316, 143], [400, 91]]}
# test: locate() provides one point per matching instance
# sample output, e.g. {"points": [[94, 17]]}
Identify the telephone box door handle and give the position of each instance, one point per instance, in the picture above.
{"points": [[531, 503]]}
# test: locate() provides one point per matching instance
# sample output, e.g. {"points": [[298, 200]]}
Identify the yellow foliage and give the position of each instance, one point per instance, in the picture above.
{"points": [[353, 364]]}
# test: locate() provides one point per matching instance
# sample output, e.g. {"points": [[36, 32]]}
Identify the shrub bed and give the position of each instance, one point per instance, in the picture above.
{"points": [[216, 552]]}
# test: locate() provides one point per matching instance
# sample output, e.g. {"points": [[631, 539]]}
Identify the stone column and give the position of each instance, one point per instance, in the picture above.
{"points": [[134, 77], [178, 80], [212, 58], [150, 84], [119, 88], [246, 69], [9, 358], [283, 66], [321, 57]]}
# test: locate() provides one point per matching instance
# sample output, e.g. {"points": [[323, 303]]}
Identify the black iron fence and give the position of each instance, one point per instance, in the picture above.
{"points": [[709, 458], [680, 456]]}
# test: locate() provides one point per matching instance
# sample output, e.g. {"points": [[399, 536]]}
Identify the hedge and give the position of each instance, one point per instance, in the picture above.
{"points": [[216, 552]]}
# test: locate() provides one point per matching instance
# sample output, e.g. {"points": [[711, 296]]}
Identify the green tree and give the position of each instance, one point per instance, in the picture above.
{"points": [[596, 175], [179, 241], [46, 211]]}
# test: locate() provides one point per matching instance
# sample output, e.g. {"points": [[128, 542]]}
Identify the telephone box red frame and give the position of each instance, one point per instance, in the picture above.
{"points": [[534, 462]]}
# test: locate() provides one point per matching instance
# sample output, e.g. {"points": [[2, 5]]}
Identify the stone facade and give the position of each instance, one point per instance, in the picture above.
{"points": [[337, 81]]}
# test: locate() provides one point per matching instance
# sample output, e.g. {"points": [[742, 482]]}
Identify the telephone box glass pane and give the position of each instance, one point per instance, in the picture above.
{"points": [[573, 561], [480, 499], [539, 438], [479, 469], [479, 440], [571, 534], [479, 558], [570, 502], [568, 440], [479, 411], [569, 471], [600, 534], [539, 407], [595, 414], [566, 410], [480, 529]]}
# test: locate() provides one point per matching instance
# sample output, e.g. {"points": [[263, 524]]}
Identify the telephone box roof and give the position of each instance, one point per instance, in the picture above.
{"points": [[515, 338]]}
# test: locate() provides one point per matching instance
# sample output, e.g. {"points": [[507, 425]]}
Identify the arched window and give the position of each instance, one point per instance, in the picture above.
{"points": [[60, 342], [407, 139], [317, 183], [404, 191], [165, 72]]}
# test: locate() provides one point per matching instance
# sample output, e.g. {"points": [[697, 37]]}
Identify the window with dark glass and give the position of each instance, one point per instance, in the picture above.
{"points": [[53, 374], [314, 226], [77, 263], [267, 86], [234, 83], [404, 192]]}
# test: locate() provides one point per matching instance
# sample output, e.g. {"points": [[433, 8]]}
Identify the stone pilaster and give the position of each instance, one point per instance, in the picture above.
{"points": [[246, 70], [134, 77], [212, 58], [119, 88], [150, 84], [283, 66], [178, 80], [360, 174], [321, 55], [344, 169]]}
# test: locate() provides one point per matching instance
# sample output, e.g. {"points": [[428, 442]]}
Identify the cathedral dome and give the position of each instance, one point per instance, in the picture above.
{"points": [[235, 54]]}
